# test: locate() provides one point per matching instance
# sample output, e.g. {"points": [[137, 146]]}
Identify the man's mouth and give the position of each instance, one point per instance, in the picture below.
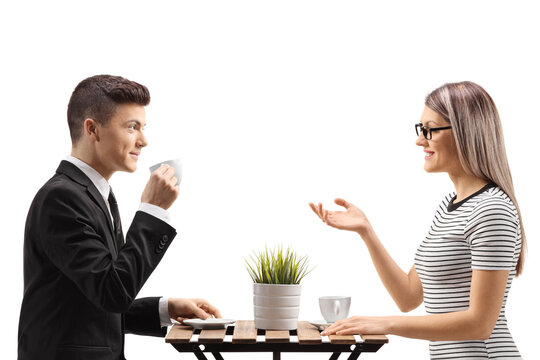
{"points": [[429, 154]]}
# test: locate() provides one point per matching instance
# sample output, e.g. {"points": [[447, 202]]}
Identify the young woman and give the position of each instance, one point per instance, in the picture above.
{"points": [[464, 267]]}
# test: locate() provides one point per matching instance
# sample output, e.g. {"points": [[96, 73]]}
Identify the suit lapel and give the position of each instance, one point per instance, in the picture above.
{"points": [[78, 176]]}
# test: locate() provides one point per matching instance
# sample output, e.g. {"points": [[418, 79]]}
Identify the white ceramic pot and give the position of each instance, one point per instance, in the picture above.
{"points": [[276, 307]]}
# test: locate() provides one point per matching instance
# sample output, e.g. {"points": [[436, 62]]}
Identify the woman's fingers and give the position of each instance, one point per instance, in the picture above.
{"points": [[330, 219], [342, 327], [348, 331], [332, 329], [325, 215], [318, 209], [314, 208], [343, 203]]}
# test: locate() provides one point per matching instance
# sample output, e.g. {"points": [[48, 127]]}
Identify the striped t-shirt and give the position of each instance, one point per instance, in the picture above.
{"points": [[479, 232]]}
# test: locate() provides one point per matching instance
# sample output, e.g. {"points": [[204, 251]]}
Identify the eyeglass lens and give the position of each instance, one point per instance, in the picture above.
{"points": [[425, 131]]}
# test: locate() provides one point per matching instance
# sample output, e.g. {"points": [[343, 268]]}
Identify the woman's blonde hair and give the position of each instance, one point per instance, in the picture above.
{"points": [[479, 138]]}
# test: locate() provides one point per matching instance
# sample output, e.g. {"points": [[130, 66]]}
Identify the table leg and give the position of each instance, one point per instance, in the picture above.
{"points": [[217, 355], [276, 355], [335, 356], [198, 353], [355, 353]]}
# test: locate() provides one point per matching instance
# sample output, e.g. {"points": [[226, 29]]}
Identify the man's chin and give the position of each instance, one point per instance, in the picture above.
{"points": [[130, 168]]}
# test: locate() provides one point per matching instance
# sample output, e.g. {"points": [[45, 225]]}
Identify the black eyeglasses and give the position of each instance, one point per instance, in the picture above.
{"points": [[427, 131]]}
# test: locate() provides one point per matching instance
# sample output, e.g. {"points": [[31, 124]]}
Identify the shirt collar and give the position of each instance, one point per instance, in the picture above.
{"points": [[99, 181]]}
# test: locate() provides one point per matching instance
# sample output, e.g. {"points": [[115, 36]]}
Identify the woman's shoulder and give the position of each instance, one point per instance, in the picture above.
{"points": [[493, 201], [495, 196]]}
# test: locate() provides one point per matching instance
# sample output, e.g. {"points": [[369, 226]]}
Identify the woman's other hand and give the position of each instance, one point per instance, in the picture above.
{"points": [[352, 219], [363, 325]]}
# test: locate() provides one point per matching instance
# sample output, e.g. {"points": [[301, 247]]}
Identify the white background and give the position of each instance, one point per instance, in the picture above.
{"points": [[270, 105]]}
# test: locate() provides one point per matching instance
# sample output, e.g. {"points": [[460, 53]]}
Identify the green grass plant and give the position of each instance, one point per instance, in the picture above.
{"points": [[277, 266]]}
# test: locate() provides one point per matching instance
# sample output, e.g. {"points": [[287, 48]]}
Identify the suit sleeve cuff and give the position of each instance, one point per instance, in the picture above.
{"points": [[164, 318], [155, 211]]}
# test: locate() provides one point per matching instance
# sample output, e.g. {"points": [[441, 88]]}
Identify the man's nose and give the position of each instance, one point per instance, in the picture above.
{"points": [[143, 141]]}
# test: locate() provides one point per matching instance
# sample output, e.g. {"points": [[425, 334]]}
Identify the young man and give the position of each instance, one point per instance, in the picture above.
{"points": [[80, 276]]}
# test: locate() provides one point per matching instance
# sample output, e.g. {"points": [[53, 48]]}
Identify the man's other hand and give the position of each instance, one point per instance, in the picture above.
{"points": [[161, 190], [180, 309]]}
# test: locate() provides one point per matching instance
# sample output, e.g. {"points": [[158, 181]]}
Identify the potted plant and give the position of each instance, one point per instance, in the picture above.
{"points": [[276, 278]]}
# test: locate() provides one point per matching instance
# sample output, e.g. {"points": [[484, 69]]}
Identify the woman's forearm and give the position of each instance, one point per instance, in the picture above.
{"points": [[474, 323], [456, 326], [405, 289]]}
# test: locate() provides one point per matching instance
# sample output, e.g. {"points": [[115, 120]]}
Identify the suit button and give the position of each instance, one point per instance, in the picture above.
{"points": [[161, 246], [165, 238], [162, 242]]}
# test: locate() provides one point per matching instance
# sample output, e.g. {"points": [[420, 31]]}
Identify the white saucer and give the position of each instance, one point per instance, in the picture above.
{"points": [[213, 323], [320, 324]]}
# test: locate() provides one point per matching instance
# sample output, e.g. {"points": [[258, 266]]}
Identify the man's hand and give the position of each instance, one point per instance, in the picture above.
{"points": [[180, 309], [161, 189]]}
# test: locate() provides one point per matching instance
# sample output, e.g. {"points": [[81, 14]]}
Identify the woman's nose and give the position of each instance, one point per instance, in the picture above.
{"points": [[421, 140]]}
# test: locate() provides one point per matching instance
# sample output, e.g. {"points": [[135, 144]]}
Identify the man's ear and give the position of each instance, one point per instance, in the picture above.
{"points": [[91, 129]]}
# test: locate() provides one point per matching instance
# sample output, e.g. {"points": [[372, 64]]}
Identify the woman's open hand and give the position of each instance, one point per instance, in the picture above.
{"points": [[352, 219]]}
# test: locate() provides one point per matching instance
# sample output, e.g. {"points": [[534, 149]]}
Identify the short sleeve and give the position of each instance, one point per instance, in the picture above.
{"points": [[492, 233]]}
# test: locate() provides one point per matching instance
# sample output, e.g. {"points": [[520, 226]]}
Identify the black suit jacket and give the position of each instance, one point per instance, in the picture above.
{"points": [[79, 291]]}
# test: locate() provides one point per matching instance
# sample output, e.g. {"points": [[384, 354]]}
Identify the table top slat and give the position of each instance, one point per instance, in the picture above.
{"points": [[342, 339], [179, 334], [212, 336], [375, 339], [244, 332], [308, 334], [277, 336]]}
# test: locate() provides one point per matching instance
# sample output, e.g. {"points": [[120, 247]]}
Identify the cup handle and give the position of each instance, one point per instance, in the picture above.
{"points": [[336, 308]]}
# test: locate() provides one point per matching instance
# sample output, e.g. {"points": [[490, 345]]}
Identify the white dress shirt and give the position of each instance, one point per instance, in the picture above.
{"points": [[104, 189]]}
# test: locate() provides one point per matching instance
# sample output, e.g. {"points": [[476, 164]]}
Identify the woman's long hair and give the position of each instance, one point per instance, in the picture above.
{"points": [[479, 138]]}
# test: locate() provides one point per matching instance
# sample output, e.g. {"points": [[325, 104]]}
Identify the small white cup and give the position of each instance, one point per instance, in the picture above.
{"points": [[334, 308], [175, 163]]}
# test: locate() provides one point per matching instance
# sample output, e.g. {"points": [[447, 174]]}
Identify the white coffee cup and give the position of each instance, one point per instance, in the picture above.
{"points": [[175, 163], [334, 308]]}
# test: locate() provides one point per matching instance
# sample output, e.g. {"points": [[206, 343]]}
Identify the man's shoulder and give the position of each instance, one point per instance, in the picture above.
{"points": [[59, 195], [58, 187], [61, 184]]}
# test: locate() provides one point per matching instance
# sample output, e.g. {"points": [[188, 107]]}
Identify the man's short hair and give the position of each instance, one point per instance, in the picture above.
{"points": [[97, 98]]}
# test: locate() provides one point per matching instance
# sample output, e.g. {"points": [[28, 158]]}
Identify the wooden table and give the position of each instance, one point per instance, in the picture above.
{"points": [[244, 337]]}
